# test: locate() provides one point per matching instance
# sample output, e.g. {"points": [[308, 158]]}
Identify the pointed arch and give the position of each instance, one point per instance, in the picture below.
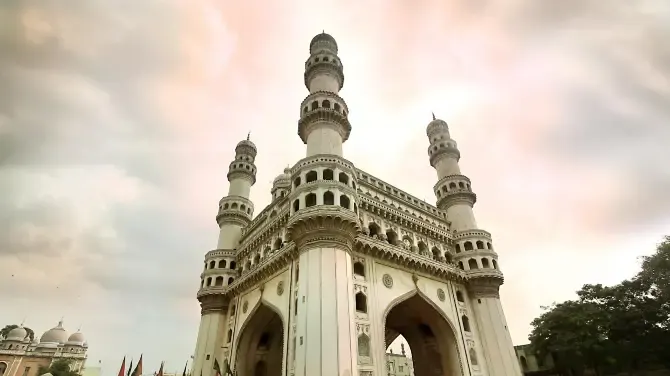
{"points": [[401, 317], [263, 332]]}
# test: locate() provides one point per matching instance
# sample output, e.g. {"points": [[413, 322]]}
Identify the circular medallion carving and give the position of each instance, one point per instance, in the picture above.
{"points": [[440, 294], [280, 288], [245, 306], [387, 280]]}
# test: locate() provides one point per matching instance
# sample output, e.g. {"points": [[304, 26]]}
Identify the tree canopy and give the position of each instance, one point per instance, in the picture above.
{"points": [[60, 367], [8, 328], [609, 329]]}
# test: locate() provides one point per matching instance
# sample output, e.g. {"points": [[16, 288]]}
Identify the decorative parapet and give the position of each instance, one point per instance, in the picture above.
{"points": [[408, 259], [445, 200], [320, 159], [219, 253], [256, 238], [484, 284], [423, 227], [443, 149]]}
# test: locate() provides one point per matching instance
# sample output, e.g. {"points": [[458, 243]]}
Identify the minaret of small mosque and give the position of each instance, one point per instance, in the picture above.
{"points": [[473, 250], [323, 124]]}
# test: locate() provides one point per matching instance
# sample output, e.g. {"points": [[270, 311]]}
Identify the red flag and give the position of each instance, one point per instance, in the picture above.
{"points": [[122, 371], [160, 371], [138, 368]]}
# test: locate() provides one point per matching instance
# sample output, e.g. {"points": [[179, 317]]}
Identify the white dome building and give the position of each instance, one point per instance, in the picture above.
{"points": [[18, 354]]}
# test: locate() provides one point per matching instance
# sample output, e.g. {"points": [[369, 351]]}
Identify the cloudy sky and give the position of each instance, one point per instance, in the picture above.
{"points": [[118, 120]]}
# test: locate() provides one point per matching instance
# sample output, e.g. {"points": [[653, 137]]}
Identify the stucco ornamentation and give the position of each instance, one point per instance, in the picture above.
{"points": [[440, 294], [323, 226], [387, 280], [213, 304], [485, 287], [280, 288]]}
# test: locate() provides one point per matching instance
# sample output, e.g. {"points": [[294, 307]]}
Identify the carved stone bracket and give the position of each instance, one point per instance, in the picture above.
{"points": [[213, 304], [485, 287], [323, 226]]}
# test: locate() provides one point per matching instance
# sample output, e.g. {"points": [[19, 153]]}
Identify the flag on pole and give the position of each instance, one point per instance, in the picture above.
{"points": [[185, 365], [160, 371], [138, 368], [130, 369], [122, 371], [217, 368]]}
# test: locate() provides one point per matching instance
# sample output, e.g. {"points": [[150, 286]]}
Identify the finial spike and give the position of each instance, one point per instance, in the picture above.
{"points": [[248, 135], [433, 116], [23, 321]]}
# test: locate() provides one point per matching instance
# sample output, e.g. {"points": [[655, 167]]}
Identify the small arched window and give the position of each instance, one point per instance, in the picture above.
{"points": [[229, 337], [472, 264], [218, 281], [310, 200], [485, 263], [361, 302], [233, 265], [343, 178], [325, 103], [328, 198], [458, 248], [296, 205], [374, 229], [459, 296], [315, 105], [222, 264], [344, 202], [480, 244], [467, 246], [328, 174], [359, 269], [212, 264], [311, 176], [466, 323], [230, 280], [296, 182], [495, 264], [460, 265]]}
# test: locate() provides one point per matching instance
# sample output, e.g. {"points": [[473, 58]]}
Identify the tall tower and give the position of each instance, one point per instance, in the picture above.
{"points": [[324, 222], [323, 124], [473, 251], [220, 269]]}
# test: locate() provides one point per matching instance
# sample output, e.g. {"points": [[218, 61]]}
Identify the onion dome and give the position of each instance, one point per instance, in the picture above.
{"points": [[282, 180], [55, 335], [436, 125], [17, 334], [323, 38], [77, 338]]}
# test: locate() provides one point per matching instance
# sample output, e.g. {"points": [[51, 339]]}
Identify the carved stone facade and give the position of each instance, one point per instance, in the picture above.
{"points": [[340, 264]]}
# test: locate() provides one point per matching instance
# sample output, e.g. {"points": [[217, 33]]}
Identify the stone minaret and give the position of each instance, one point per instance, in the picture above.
{"points": [[323, 124], [324, 223], [220, 270], [455, 196]]}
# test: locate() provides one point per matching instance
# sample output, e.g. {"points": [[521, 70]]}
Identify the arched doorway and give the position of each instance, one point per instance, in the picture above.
{"points": [[260, 349], [3, 368], [431, 339]]}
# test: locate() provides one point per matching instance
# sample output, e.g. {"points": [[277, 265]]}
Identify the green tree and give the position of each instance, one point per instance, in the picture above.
{"points": [[573, 332], [60, 367], [8, 328], [612, 328]]}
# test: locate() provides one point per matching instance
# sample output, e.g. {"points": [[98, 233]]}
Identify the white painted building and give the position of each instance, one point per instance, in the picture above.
{"points": [[341, 263]]}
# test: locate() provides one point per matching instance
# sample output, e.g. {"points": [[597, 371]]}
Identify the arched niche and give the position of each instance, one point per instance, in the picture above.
{"points": [[260, 343]]}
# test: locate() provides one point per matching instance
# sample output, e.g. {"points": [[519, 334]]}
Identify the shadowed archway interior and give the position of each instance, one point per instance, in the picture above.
{"points": [[431, 339], [260, 348]]}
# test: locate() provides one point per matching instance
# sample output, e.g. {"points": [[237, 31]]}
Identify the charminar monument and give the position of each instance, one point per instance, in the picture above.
{"points": [[341, 263]]}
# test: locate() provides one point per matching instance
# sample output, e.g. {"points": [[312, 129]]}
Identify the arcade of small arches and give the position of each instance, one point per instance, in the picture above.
{"points": [[326, 174], [255, 258], [407, 242], [451, 187], [327, 198], [321, 58], [475, 263], [235, 206], [243, 166], [328, 104]]}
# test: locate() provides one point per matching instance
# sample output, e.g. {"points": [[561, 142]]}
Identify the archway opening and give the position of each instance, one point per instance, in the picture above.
{"points": [[260, 348], [431, 340]]}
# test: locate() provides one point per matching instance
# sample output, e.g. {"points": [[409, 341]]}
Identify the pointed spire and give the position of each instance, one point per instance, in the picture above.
{"points": [[434, 118], [60, 323], [248, 135], [23, 321]]}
